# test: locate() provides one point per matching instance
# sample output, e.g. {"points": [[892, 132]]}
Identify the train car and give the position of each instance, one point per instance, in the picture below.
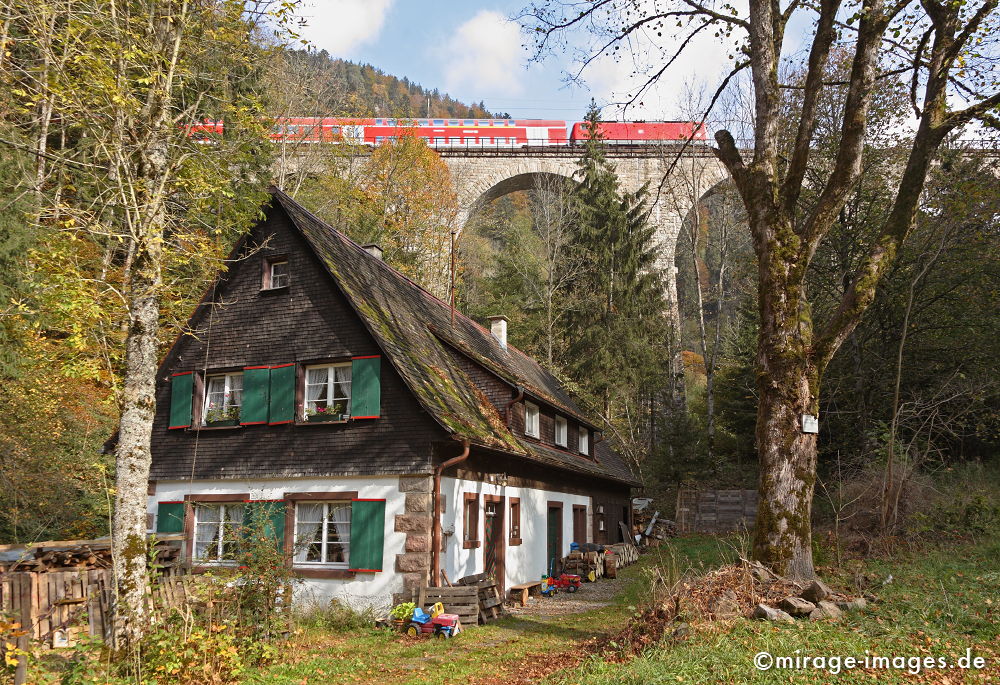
{"points": [[459, 133], [319, 130], [204, 131], [642, 132]]}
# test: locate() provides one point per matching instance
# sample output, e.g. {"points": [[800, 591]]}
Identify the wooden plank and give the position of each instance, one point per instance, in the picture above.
{"points": [[450, 591], [46, 587]]}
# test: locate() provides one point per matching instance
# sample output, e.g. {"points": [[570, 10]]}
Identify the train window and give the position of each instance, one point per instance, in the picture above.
{"points": [[484, 141], [439, 141], [378, 139], [469, 122], [454, 141], [469, 141], [453, 122], [334, 129], [378, 122], [439, 122]]}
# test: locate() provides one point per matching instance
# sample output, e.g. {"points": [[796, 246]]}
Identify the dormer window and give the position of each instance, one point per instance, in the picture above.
{"points": [[584, 441], [276, 274], [561, 431], [531, 420]]}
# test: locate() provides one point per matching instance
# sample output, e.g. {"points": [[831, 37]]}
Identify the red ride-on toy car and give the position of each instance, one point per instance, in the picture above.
{"points": [[439, 624], [567, 581]]}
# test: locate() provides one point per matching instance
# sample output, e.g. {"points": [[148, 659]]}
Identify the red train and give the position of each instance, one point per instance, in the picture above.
{"points": [[461, 133]]}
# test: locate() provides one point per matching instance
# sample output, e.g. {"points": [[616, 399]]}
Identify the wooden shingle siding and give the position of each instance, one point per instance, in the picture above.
{"points": [[308, 321]]}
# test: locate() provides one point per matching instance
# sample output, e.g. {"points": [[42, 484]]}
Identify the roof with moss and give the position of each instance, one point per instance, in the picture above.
{"points": [[413, 328]]}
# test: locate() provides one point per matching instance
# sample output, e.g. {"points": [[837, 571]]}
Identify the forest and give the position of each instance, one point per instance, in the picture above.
{"points": [[873, 276]]}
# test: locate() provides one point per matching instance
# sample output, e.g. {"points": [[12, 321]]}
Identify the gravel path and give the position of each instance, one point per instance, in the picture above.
{"points": [[589, 596]]}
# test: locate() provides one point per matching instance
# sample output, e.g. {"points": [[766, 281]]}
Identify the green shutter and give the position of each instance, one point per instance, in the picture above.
{"points": [[366, 388], [282, 394], [367, 534], [170, 517], [253, 409], [268, 517], [181, 394]]}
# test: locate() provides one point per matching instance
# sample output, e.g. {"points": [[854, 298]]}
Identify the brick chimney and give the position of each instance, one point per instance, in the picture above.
{"points": [[498, 327]]}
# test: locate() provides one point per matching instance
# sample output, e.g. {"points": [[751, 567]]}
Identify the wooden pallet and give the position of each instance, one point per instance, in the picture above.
{"points": [[490, 602], [460, 600]]}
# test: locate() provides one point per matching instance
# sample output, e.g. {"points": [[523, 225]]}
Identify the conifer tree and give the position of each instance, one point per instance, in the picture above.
{"points": [[613, 330]]}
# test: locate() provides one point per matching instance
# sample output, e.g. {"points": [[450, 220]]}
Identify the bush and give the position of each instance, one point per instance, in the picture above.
{"points": [[966, 515], [337, 616]]}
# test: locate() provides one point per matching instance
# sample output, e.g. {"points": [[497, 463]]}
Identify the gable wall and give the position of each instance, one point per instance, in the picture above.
{"points": [[310, 321]]}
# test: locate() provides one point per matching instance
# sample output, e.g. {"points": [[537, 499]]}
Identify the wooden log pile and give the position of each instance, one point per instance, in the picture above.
{"points": [[587, 565], [653, 527], [60, 555], [621, 554]]}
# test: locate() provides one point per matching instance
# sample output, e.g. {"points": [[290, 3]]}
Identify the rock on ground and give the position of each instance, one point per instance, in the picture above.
{"points": [[852, 604], [816, 592], [825, 610], [797, 606], [763, 612]]}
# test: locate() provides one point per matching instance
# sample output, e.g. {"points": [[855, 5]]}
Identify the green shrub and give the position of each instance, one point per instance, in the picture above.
{"points": [[339, 617], [969, 515]]}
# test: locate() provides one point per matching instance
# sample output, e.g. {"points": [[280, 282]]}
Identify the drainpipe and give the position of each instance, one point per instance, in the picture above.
{"points": [[506, 410], [436, 523]]}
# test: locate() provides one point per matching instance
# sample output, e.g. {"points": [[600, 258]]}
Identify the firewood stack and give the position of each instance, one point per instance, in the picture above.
{"points": [[652, 527], [587, 565], [64, 555]]}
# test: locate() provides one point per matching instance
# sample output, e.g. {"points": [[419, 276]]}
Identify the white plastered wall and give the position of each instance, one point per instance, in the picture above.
{"points": [[365, 589], [524, 562]]}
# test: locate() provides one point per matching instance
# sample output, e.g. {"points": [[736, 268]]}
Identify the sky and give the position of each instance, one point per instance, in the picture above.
{"points": [[473, 51]]}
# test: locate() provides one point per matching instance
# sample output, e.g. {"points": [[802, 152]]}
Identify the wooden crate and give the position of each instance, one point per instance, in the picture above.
{"points": [[461, 600]]}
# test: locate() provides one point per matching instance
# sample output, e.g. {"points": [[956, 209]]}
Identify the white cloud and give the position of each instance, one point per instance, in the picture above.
{"points": [[702, 64], [485, 55], [340, 26]]}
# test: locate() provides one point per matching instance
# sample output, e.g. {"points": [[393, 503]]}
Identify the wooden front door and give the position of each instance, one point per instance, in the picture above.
{"points": [[580, 524], [494, 546], [553, 538]]}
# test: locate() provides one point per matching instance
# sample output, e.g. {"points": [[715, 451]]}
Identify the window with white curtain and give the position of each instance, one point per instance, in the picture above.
{"points": [[223, 397], [531, 419], [560, 431], [584, 441], [217, 530], [323, 533], [328, 389]]}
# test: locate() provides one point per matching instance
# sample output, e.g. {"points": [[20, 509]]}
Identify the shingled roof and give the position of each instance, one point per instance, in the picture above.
{"points": [[412, 327]]}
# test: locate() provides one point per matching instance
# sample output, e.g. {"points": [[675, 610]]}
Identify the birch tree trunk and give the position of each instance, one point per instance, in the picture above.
{"points": [[132, 457]]}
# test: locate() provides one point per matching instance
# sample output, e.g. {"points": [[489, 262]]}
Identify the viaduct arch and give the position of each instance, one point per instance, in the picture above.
{"points": [[483, 175]]}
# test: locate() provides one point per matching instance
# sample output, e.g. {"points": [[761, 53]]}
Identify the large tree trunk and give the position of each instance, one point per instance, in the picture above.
{"points": [[788, 387], [132, 457], [782, 536]]}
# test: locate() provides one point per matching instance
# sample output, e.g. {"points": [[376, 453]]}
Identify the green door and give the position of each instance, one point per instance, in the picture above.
{"points": [[554, 537]]}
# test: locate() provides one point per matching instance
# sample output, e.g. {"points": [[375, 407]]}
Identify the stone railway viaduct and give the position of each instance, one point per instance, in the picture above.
{"points": [[484, 174]]}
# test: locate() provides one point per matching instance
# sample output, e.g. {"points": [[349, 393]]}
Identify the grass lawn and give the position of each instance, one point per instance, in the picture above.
{"points": [[941, 602], [522, 649]]}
